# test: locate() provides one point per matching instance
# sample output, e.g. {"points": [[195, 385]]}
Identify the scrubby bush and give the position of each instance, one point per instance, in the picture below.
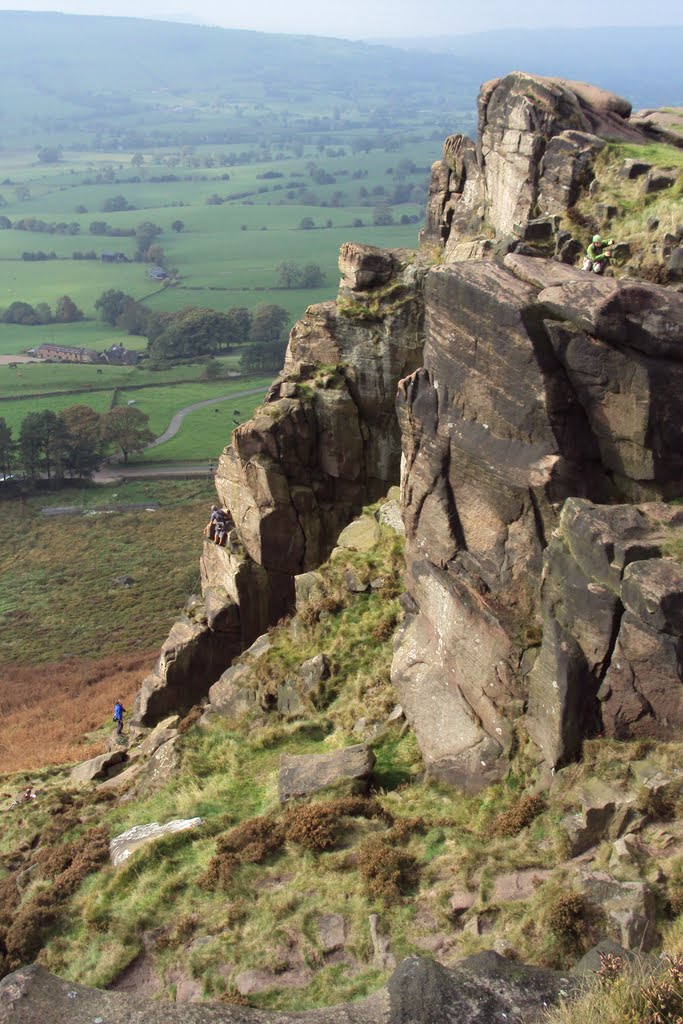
{"points": [[521, 814], [566, 919], [384, 869]]}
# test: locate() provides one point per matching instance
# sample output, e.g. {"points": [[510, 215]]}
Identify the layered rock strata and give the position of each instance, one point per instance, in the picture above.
{"points": [[540, 383], [325, 443]]}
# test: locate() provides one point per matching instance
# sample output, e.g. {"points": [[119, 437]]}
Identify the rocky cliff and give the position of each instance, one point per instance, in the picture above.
{"points": [[538, 423]]}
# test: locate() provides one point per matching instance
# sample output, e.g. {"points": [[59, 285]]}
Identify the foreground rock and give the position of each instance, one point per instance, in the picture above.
{"points": [[301, 774], [122, 846], [484, 989]]}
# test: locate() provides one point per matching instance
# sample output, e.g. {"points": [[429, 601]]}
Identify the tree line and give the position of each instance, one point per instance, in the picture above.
{"points": [[71, 443]]}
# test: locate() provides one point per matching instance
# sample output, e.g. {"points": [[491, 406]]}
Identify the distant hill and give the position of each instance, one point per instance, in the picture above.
{"points": [[69, 73], [642, 64]]}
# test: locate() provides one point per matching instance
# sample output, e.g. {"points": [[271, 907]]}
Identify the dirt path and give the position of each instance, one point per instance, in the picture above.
{"points": [[115, 471], [174, 426]]}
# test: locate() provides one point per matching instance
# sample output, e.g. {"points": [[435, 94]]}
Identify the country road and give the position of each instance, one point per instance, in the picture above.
{"points": [[114, 470]]}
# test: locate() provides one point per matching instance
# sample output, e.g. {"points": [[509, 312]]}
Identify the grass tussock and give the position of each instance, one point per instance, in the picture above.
{"points": [[633, 992], [634, 208]]}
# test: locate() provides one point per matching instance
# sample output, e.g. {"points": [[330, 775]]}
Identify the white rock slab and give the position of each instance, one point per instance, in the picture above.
{"points": [[121, 847]]}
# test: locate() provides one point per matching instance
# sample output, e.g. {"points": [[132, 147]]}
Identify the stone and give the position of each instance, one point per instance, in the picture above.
{"points": [[161, 767], [389, 514], [624, 851], [383, 958], [652, 591], [234, 694], [632, 168], [519, 885], [301, 774], [123, 780], [354, 584], [658, 179], [125, 844], [460, 902], [166, 730], [361, 535], [97, 767], [590, 963], [308, 586], [629, 907], [252, 982], [331, 932], [311, 675]]}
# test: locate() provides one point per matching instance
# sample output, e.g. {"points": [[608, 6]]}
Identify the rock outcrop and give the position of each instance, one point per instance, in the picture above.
{"points": [[539, 384], [485, 989], [525, 386]]}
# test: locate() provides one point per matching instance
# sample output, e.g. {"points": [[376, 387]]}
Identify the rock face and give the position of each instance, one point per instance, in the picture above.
{"points": [[514, 412], [326, 442], [485, 989], [537, 139]]}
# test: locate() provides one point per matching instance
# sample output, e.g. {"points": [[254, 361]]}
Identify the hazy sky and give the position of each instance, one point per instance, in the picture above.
{"points": [[364, 19]]}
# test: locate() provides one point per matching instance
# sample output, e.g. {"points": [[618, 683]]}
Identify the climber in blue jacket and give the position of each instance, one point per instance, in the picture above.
{"points": [[118, 716]]}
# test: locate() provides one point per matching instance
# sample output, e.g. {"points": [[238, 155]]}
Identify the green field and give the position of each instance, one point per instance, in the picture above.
{"points": [[259, 172]]}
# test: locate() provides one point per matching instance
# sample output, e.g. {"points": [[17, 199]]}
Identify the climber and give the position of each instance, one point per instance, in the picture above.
{"points": [[118, 716], [598, 254], [224, 522], [210, 530]]}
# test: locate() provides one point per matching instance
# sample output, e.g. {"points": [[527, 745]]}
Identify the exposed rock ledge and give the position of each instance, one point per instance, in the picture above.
{"points": [[483, 989]]}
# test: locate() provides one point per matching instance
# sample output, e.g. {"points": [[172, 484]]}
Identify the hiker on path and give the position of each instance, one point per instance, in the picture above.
{"points": [[118, 716]]}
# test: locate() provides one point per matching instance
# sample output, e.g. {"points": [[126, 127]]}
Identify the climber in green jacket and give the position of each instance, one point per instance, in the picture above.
{"points": [[597, 254]]}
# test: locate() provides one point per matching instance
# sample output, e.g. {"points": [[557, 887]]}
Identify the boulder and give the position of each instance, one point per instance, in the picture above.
{"points": [[250, 983], [97, 767], [301, 774], [361, 535], [331, 932], [629, 907], [125, 844], [658, 179], [364, 266]]}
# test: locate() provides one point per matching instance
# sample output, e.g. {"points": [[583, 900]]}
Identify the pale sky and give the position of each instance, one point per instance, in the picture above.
{"points": [[367, 19]]}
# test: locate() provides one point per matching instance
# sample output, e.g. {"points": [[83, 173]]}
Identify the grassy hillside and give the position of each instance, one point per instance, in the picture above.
{"points": [[246, 891]]}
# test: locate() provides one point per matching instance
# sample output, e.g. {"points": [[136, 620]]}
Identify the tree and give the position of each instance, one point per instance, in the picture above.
{"points": [[126, 428], [42, 444], [178, 225], [43, 313], [115, 203], [268, 322], [145, 233], [83, 442], [20, 313], [111, 305], [8, 448], [49, 154], [66, 311], [213, 369], [192, 331], [134, 318], [382, 216], [238, 325], [155, 254], [137, 160], [288, 274], [306, 224], [263, 356]]}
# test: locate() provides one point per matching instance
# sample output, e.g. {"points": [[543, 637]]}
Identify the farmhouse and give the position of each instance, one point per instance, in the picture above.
{"points": [[157, 273], [120, 356], [67, 354], [114, 257]]}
